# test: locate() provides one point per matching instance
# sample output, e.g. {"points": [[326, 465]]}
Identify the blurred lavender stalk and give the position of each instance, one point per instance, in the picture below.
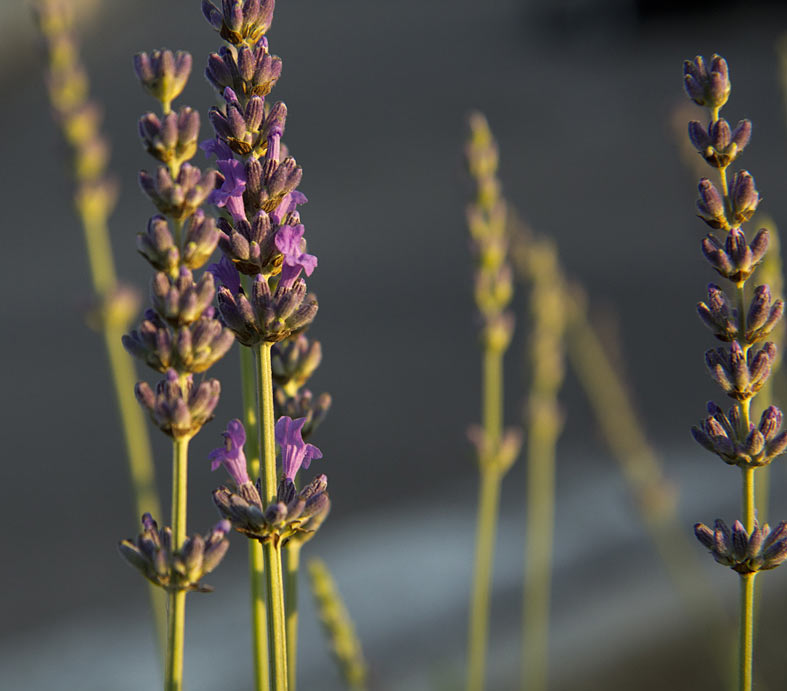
{"points": [[546, 354], [496, 450], [338, 627], [642, 469], [79, 118]]}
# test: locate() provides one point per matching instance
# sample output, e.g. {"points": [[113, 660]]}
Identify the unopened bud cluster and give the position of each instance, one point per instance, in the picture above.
{"points": [[180, 335], [486, 218], [260, 231], [764, 549], [743, 364], [172, 568], [292, 363]]}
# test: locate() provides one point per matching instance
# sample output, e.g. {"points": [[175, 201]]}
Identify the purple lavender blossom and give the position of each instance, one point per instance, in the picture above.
{"points": [[217, 148], [227, 274], [231, 455], [287, 205], [230, 194], [289, 241], [295, 453]]}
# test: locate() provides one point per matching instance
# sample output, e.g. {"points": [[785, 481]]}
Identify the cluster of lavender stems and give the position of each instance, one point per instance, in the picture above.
{"points": [[496, 449], [79, 119], [742, 364]]}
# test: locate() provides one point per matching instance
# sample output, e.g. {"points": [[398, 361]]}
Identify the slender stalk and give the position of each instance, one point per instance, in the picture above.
{"points": [[140, 457], [259, 631], [488, 500], [748, 499], [173, 673], [293, 551], [747, 631], [538, 563], [493, 395], [277, 643], [267, 443]]}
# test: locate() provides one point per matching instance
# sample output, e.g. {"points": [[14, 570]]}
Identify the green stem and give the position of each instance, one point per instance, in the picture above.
{"points": [[293, 550], [748, 499], [277, 643], [259, 631], [488, 500], [488, 503], [493, 396], [176, 617], [173, 672], [276, 620], [538, 539], [746, 649], [139, 454], [267, 443]]}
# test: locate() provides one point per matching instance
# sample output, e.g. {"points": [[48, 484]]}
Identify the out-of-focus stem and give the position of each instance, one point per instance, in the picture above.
{"points": [[488, 508], [338, 626], [293, 552], [259, 623], [488, 500]]}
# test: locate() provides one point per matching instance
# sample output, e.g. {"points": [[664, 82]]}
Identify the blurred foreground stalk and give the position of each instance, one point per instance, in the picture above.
{"points": [[95, 198], [542, 424], [338, 627], [496, 450]]}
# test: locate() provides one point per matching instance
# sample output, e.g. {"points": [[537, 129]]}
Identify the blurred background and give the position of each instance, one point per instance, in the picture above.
{"points": [[582, 96]]}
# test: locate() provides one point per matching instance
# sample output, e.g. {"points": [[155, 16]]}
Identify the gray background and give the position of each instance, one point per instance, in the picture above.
{"points": [[580, 96]]}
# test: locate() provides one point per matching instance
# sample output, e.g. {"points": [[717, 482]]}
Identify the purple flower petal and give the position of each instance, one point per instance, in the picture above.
{"points": [[217, 148], [225, 272], [295, 453], [231, 455]]}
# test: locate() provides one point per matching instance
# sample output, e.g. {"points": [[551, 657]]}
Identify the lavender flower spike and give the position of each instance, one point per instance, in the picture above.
{"points": [[289, 241], [231, 455], [294, 451]]}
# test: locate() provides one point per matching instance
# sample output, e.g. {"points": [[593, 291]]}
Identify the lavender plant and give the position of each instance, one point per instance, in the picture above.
{"points": [[180, 336], [496, 450], [743, 364], [79, 118], [264, 301]]}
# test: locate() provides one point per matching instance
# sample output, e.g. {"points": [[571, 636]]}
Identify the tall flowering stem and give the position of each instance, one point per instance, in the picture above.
{"points": [[741, 366], [293, 361], [496, 450], [180, 335], [79, 119], [543, 422], [262, 238]]}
